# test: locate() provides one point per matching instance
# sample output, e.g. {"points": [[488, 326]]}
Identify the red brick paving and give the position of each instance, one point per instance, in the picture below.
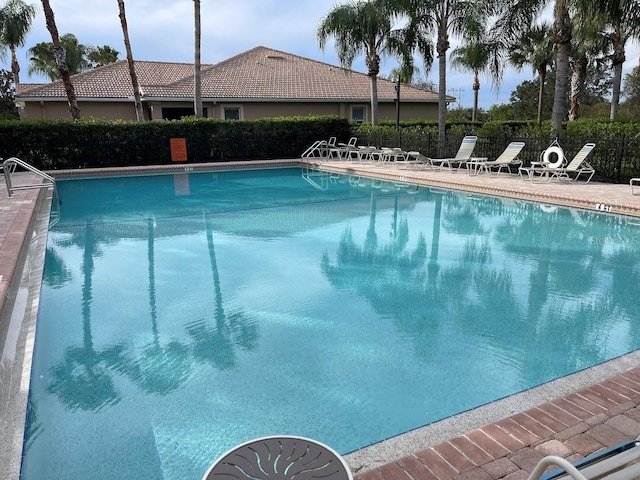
{"points": [[510, 448]]}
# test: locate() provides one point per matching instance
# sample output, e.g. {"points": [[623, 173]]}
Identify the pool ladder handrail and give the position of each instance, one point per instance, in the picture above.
{"points": [[9, 167]]}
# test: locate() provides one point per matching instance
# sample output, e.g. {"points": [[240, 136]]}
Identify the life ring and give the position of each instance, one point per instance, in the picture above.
{"points": [[559, 155], [548, 208]]}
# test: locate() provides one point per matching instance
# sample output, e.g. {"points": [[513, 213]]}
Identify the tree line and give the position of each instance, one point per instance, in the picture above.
{"points": [[65, 56], [583, 35]]}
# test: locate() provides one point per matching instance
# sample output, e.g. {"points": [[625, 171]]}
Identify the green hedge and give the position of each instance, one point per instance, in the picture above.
{"points": [[90, 143], [616, 157], [53, 145]]}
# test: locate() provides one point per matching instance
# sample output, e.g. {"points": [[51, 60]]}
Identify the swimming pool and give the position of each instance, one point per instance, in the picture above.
{"points": [[176, 321]]}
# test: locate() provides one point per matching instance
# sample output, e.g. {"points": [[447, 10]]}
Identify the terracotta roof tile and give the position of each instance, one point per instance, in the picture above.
{"points": [[257, 74]]}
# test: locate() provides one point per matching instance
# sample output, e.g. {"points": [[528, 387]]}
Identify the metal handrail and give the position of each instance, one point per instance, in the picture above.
{"points": [[9, 167]]}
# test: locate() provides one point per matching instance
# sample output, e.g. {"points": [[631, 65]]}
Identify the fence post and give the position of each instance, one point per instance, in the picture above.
{"points": [[621, 149]]}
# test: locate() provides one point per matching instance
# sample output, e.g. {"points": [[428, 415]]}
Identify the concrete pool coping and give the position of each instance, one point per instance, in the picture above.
{"points": [[447, 445]]}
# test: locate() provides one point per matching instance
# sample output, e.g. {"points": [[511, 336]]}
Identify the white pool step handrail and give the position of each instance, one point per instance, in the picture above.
{"points": [[323, 176], [9, 167]]}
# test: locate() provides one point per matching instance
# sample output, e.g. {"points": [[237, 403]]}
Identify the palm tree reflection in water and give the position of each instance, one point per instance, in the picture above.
{"points": [[217, 345], [82, 379], [159, 369]]}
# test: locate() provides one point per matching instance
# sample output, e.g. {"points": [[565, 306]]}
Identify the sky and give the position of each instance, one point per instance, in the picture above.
{"points": [[162, 30]]}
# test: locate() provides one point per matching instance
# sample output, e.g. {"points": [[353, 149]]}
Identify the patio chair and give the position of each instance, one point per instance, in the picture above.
{"points": [[616, 463], [280, 458], [571, 172], [393, 156], [320, 148], [418, 160], [506, 158], [344, 151], [461, 158], [369, 153]]}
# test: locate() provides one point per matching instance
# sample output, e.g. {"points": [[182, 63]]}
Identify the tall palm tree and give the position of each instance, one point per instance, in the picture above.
{"points": [[197, 76], [591, 46], [42, 59], [476, 56], [365, 26], [15, 22], [442, 18], [61, 61], [623, 18], [517, 17], [132, 69], [100, 56], [536, 48]]}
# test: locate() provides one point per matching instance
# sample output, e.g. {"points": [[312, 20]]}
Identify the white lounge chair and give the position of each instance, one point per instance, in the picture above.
{"points": [[393, 156], [418, 160], [345, 151], [616, 463], [319, 148], [282, 457], [571, 172], [506, 158], [369, 153], [462, 157]]}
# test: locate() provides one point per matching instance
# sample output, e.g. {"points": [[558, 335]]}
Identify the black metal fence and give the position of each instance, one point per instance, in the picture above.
{"points": [[56, 145], [616, 159]]}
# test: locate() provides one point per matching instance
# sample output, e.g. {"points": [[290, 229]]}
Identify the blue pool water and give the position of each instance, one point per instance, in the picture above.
{"points": [[181, 315]]}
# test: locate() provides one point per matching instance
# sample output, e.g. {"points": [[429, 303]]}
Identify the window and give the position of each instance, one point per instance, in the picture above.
{"points": [[176, 113], [232, 112], [358, 113]]}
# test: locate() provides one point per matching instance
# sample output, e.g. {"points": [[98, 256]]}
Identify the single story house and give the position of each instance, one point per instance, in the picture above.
{"points": [[261, 82]]}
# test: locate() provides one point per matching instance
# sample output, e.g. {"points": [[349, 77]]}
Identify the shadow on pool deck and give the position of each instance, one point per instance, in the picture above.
{"points": [[572, 418]]}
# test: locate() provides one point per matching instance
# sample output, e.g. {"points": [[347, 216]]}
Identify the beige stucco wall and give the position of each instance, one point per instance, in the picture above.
{"points": [[386, 111], [58, 110], [408, 111]]}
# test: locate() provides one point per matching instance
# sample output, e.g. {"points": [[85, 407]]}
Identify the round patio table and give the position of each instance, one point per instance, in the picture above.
{"points": [[280, 458]]}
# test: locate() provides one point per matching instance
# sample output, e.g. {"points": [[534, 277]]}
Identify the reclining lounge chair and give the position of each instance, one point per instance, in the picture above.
{"points": [[461, 158], [506, 158], [571, 172]]}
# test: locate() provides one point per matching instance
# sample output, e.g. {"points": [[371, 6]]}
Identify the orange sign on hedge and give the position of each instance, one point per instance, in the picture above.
{"points": [[178, 149]]}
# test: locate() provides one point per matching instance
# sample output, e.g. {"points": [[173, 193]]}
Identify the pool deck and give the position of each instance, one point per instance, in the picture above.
{"points": [[571, 417]]}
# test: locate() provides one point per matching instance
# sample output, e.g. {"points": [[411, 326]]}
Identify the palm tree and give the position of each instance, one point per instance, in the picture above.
{"points": [[15, 23], [442, 18], [197, 77], [517, 17], [536, 48], [132, 69], [61, 62], [590, 46], [43, 61], [100, 56], [623, 17], [476, 56], [365, 26]]}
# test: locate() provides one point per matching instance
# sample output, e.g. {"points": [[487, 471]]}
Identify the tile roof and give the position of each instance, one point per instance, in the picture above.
{"points": [[258, 74]]}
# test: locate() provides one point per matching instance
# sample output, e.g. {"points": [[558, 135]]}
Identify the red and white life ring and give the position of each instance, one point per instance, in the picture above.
{"points": [[546, 156]]}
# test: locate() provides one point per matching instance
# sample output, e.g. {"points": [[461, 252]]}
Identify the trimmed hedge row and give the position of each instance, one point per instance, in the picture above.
{"points": [[616, 157], [52, 145]]}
